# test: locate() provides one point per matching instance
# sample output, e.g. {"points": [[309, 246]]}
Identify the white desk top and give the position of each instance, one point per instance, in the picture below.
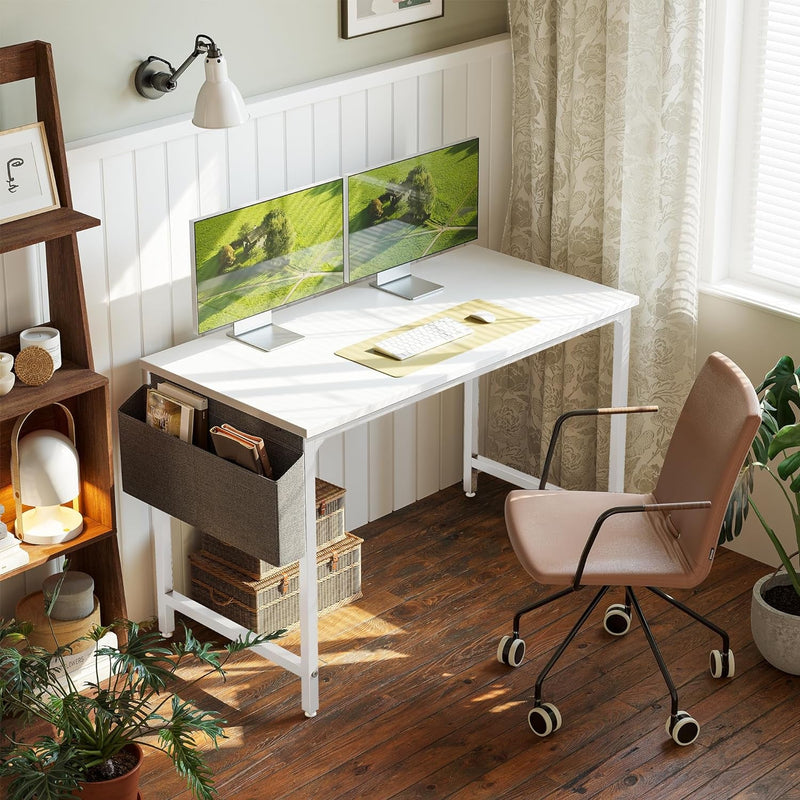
{"points": [[307, 389]]}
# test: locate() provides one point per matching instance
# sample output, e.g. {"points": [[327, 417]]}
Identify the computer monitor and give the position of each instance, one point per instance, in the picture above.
{"points": [[406, 210], [252, 260]]}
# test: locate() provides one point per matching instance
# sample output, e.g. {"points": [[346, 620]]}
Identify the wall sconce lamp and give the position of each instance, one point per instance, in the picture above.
{"points": [[45, 473], [219, 103]]}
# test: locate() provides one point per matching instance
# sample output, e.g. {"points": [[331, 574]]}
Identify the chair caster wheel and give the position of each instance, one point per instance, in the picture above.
{"points": [[544, 719], [511, 651], [683, 728], [722, 664], [617, 620]]}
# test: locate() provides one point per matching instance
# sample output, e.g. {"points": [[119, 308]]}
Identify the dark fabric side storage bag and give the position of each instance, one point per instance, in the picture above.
{"points": [[263, 517]]}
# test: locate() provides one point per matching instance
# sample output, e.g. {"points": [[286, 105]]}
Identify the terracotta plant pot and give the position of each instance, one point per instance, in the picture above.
{"points": [[775, 633], [126, 787]]}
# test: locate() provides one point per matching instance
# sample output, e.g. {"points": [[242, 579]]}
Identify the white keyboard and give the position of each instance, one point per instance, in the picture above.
{"points": [[424, 337]]}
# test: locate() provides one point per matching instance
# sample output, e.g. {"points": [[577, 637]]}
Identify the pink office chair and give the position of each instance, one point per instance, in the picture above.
{"points": [[666, 538]]}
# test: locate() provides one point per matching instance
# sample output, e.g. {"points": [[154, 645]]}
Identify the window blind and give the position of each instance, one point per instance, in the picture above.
{"points": [[774, 230]]}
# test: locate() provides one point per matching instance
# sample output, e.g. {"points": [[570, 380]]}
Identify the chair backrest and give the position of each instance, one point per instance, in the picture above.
{"points": [[714, 431]]}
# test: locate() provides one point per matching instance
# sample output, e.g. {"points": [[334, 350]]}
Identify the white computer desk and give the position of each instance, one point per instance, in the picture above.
{"points": [[306, 389]]}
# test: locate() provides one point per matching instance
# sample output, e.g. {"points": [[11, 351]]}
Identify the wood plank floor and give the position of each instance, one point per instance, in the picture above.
{"points": [[414, 704]]}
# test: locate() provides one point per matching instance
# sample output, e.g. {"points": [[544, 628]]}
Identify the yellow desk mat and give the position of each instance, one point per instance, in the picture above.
{"points": [[506, 322]]}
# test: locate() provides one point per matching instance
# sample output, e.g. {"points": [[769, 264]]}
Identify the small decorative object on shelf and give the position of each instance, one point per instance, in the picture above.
{"points": [[47, 338], [75, 600], [7, 377], [11, 554], [45, 472], [34, 366]]}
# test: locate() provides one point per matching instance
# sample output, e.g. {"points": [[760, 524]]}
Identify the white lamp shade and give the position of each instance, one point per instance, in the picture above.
{"points": [[219, 103], [49, 471]]}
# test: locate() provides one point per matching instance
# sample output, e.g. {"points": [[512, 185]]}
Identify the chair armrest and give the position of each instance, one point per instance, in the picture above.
{"points": [[583, 412], [648, 508]]}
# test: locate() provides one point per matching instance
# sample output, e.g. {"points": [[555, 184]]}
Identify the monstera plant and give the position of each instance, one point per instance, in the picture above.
{"points": [[775, 451], [775, 603]]}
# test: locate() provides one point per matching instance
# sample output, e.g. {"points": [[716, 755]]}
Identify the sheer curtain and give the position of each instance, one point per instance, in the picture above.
{"points": [[605, 185]]}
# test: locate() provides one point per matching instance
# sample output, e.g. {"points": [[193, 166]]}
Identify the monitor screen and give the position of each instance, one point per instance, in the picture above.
{"points": [[269, 254], [409, 209]]}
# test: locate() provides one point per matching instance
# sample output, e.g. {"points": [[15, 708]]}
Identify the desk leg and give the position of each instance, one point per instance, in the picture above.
{"points": [[162, 539], [309, 633], [619, 397], [471, 397]]}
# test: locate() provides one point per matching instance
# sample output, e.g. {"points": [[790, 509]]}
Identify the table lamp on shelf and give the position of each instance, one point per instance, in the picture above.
{"points": [[45, 473]]}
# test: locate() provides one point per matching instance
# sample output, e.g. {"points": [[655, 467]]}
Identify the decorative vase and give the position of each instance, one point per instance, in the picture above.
{"points": [[775, 633], [126, 787]]}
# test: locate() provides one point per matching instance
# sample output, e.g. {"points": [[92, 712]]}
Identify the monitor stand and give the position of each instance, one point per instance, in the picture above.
{"points": [[406, 285], [258, 331]]}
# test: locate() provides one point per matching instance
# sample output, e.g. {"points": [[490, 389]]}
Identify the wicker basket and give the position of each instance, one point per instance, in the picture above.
{"points": [[32, 609], [330, 528], [273, 601]]}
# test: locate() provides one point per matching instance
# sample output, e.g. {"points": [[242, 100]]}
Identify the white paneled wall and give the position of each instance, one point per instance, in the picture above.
{"points": [[147, 184]]}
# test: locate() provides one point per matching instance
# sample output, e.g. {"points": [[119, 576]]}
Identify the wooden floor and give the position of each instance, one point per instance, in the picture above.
{"points": [[414, 704]]}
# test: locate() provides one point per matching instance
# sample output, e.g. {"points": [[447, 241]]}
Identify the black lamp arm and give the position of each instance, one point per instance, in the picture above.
{"points": [[163, 82], [202, 44]]}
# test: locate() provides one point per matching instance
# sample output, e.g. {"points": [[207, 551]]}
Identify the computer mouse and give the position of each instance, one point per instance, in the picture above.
{"points": [[482, 316]]}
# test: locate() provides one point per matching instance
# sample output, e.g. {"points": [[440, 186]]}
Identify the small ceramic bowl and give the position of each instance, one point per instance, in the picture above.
{"points": [[7, 383]]}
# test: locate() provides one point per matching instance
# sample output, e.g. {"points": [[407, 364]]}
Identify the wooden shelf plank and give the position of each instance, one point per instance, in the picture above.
{"points": [[68, 381], [40, 553], [43, 227]]}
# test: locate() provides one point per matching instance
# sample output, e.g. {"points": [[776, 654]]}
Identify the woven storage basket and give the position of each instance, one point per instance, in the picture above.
{"points": [[330, 528], [32, 609], [273, 601]]}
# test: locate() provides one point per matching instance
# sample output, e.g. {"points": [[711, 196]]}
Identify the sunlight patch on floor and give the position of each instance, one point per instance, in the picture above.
{"points": [[234, 737], [361, 656], [491, 694], [499, 709]]}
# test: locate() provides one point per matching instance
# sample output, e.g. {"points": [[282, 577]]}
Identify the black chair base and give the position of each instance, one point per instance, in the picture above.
{"points": [[544, 718]]}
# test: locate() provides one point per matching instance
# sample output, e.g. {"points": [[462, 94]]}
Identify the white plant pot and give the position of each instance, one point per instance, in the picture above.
{"points": [[775, 633]]}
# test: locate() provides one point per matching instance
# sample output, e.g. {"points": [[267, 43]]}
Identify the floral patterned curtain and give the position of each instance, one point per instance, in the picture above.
{"points": [[606, 162]]}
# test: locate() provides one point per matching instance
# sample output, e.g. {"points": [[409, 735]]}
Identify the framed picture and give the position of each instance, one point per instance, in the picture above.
{"points": [[27, 184], [368, 16]]}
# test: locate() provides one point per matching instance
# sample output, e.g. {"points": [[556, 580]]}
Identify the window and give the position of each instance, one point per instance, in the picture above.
{"points": [[751, 229]]}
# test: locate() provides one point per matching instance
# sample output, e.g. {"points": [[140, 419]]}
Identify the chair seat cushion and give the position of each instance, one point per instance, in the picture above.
{"points": [[548, 530]]}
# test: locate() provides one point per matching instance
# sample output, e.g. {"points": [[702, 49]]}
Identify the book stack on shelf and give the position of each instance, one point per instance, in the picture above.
{"points": [[11, 553], [263, 597]]}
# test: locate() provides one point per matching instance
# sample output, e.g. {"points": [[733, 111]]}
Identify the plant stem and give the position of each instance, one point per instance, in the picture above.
{"points": [[785, 560]]}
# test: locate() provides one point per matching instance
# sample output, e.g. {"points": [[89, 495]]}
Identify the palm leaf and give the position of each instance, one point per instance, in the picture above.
{"points": [[178, 742]]}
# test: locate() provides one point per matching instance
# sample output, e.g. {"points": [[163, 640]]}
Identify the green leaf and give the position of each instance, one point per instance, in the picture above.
{"points": [[178, 742], [786, 437], [780, 386], [789, 465], [48, 771]]}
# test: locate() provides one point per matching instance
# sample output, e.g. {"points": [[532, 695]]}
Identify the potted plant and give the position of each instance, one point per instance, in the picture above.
{"points": [[775, 608], [92, 733]]}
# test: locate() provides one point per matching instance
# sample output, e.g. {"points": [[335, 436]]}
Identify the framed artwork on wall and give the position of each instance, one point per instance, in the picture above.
{"points": [[27, 185], [369, 16]]}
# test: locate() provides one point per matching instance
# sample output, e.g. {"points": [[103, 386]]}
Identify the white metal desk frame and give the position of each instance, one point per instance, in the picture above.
{"points": [[464, 273]]}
